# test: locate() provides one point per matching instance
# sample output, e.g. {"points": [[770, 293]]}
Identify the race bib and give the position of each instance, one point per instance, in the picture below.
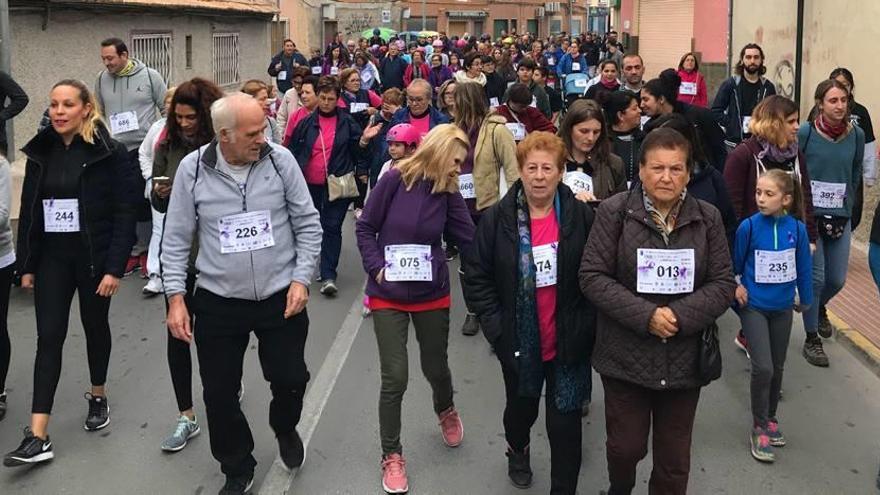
{"points": [[316, 71], [282, 76], [746, 121], [517, 129], [551, 61], [688, 88], [643, 120], [828, 194], [545, 264], [61, 215], [334, 71], [466, 186], [578, 182], [249, 231], [580, 83], [775, 267], [575, 66], [534, 103], [123, 122], [493, 102], [408, 263], [665, 271], [358, 107]]}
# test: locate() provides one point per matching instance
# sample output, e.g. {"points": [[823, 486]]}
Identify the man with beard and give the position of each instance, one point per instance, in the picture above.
{"points": [[633, 72], [738, 95]]}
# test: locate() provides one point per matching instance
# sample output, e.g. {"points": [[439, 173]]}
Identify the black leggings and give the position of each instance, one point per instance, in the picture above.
{"points": [[59, 275], [179, 358], [5, 347]]}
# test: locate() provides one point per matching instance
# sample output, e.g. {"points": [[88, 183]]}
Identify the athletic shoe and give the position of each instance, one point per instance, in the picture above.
{"points": [[237, 485], [2, 406], [132, 265], [519, 468], [776, 437], [185, 430], [761, 449], [451, 427], [328, 288], [31, 451], [394, 474], [292, 451], [826, 329], [357, 213], [741, 343], [451, 253], [814, 352], [99, 412], [153, 287], [471, 325]]}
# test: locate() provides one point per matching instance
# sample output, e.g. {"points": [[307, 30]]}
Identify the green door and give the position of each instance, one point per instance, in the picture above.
{"points": [[498, 25]]}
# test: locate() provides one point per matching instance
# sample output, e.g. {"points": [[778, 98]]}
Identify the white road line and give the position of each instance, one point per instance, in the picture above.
{"points": [[279, 479]]}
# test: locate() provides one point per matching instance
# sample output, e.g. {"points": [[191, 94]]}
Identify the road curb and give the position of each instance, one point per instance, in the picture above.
{"points": [[865, 350]]}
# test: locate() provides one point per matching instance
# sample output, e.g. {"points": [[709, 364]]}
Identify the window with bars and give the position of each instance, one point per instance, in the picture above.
{"points": [[225, 59], [154, 50]]}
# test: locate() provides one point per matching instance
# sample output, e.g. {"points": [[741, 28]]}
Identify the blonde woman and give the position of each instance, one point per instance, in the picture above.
{"points": [[446, 98], [75, 232], [408, 279], [260, 91]]}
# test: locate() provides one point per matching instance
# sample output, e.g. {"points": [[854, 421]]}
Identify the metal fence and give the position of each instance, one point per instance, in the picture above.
{"points": [[225, 59], [154, 50]]}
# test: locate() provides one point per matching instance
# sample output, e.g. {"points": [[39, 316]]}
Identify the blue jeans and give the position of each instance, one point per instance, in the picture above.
{"points": [[874, 262], [830, 263], [332, 215]]}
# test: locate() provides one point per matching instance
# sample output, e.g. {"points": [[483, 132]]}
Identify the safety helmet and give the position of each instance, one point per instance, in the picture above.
{"points": [[404, 133]]}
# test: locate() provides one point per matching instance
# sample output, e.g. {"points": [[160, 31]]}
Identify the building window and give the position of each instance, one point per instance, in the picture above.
{"points": [[154, 50], [189, 51], [280, 32], [555, 25], [415, 23], [225, 59]]}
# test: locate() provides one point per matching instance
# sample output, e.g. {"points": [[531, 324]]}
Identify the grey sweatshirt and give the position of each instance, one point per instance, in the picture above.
{"points": [[142, 92], [203, 194], [6, 244]]}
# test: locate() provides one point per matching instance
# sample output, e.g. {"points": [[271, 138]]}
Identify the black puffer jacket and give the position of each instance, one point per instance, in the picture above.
{"points": [[109, 196], [491, 275]]}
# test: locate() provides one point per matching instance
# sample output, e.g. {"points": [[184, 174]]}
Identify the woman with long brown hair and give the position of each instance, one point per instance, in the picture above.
{"points": [[593, 172], [75, 232]]}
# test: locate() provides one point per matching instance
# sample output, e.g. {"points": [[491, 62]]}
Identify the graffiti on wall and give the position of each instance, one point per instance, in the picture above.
{"points": [[358, 23], [783, 77]]}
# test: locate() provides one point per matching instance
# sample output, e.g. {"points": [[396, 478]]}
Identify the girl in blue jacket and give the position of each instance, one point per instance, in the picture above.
{"points": [[772, 261]]}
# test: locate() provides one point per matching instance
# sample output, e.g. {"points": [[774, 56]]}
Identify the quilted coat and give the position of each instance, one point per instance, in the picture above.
{"points": [[624, 347]]}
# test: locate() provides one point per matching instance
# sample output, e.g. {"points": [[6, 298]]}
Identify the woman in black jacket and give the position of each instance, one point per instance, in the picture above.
{"points": [[521, 280], [76, 229]]}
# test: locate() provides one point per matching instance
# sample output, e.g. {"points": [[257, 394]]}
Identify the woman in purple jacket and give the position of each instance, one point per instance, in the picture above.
{"points": [[408, 279]]}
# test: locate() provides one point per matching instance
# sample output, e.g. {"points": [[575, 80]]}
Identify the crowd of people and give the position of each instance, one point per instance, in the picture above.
{"points": [[603, 222]]}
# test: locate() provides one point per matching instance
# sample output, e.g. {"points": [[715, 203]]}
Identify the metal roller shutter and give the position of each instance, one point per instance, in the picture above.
{"points": [[666, 28]]}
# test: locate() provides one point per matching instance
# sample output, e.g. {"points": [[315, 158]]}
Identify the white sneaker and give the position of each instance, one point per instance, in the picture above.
{"points": [[154, 286]]}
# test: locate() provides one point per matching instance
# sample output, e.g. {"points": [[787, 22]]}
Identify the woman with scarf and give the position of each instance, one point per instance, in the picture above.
{"points": [[834, 149], [593, 172], [608, 81], [521, 280], [417, 69], [361, 104], [438, 74], [473, 70], [624, 119], [368, 71], [658, 269]]}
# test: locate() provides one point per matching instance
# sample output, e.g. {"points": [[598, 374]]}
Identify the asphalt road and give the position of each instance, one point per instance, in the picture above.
{"points": [[829, 416]]}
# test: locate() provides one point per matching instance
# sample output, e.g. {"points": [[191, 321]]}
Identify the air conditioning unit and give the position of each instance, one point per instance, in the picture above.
{"points": [[552, 7], [328, 12], [539, 12]]}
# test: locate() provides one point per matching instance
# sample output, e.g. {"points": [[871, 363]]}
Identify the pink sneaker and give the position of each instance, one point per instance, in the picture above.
{"points": [[451, 427], [394, 474]]}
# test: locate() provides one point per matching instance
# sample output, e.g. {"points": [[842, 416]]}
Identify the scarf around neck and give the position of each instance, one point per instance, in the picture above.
{"points": [[127, 70], [776, 154], [665, 224], [831, 130]]}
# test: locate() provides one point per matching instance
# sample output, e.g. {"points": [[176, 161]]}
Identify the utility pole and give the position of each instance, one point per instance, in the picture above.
{"points": [[6, 66], [424, 19]]}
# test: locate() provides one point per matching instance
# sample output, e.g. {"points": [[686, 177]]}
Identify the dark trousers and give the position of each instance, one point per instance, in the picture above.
{"points": [[6, 275], [392, 330], [58, 276], [222, 331], [362, 194], [768, 333], [332, 215], [179, 358], [563, 429], [629, 411]]}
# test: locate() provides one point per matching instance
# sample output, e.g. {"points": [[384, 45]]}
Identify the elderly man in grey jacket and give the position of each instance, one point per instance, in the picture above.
{"points": [[246, 204]]}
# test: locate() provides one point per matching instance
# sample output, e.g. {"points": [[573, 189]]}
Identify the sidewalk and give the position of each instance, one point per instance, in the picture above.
{"points": [[857, 310]]}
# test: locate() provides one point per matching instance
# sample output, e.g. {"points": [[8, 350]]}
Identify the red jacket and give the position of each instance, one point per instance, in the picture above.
{"points": [[408, 73], [694, 80], [532, 118]]}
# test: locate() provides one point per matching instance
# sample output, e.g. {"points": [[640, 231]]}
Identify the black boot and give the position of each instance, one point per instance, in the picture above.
{"points": [[471, 325], [519, 469]]}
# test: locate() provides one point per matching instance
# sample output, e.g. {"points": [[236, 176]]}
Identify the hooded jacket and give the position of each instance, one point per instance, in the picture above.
{"points": [[203, 194], [109, 193], [142, 92], [495, 150]]}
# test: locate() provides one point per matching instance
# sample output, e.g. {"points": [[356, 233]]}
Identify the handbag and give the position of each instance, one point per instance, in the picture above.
{"points": [[831, 227], [338, 186], [709, 355]]}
